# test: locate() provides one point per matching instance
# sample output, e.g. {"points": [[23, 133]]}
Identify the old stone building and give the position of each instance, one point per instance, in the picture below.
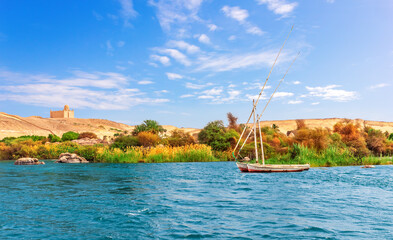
{"points": [[65, 113]]}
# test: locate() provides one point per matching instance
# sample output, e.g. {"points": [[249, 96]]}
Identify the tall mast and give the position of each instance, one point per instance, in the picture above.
{"points": [[259, 96], [260, 136], [255, 131], [271, 97]]}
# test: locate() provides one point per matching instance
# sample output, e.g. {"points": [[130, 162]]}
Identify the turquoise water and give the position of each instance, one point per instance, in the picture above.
{"points": [[193, 200]]}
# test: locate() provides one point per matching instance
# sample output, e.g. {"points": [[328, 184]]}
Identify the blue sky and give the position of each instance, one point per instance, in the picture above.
{"points": [[188, 62]]}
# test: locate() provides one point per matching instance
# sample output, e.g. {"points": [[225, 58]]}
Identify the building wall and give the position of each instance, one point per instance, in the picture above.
{"points": [[62, 114]]}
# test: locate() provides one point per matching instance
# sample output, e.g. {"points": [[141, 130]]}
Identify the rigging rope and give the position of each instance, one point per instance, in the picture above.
{"points": [[271, 97], [259, 96]]}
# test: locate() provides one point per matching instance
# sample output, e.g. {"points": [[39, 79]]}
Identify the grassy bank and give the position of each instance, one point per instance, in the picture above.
{"points": [[100, 153], [330, 157]]}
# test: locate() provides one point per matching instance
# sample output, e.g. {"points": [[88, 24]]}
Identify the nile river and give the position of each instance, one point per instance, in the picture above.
{"points": [[193, 200]]}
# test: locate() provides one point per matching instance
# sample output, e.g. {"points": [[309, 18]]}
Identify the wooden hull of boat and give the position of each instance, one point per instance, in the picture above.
{"points": [[242, 166], [277, 168]]}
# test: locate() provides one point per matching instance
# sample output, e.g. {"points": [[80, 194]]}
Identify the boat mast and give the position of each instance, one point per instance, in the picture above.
{"points": [[259, 96], [255, 131], [260, 136], [271, 97]]}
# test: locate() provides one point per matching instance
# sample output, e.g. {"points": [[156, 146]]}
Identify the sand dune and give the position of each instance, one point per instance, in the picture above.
{"points": [[14, 126]]}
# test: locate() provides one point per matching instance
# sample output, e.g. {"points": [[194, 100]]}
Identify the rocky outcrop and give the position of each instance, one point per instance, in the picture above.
{"points": [[28, 161], [70, 158]]}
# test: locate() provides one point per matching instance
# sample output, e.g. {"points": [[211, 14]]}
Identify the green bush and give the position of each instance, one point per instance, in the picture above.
{"points": [[213, 134], [54, 138], [69, 136], [123, 142]]}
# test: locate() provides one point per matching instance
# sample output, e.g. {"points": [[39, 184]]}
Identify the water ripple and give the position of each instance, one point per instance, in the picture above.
{"points": [[193, 201]]}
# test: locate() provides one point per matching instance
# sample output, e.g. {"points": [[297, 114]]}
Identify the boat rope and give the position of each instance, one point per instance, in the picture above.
{"points": [[260, 94], [271, 97]]}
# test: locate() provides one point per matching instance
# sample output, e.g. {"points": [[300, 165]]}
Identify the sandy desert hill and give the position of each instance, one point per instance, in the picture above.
{"points": [[14, 126]]}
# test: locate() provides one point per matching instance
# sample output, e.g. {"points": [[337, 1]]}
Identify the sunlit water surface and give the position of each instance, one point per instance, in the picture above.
{"points": [[193, 200]]}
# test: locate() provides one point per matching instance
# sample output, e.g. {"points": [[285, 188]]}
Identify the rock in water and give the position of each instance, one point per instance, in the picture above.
{"points": [[71, 158], [28, 161], [368, 166]]}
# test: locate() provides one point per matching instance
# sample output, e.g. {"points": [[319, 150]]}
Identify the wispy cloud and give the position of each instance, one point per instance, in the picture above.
{"points": [[164, 60], [380, 85], [331, 93], [96, 90], [175, 54], [283, 94], [279, 7], [296, 82], [109, 48], [295, 102], [176, 12], [212, 27], [182, 45], [127, 11], [241, 15], [203, 38], [173, 76], [145, 82], [186, 96], [228, 62], [197, 86]]}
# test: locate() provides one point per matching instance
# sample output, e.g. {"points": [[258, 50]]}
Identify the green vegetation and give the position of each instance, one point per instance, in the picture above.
{"points": [[69, 136], [346, 144], [149, 126]]}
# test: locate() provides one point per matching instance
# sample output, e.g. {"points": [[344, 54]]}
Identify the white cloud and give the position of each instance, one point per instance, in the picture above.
{"points": [[232, 37], [236, 13], [145, 82], [96, 90], [127, 11], [295, 102], [213, 91], [186, 96], [173, 76], [164, 60], [380, 85], [175, 54], [254, 30], [279, 7], [176, 12], [205, 97], [212, 27], [197, 86], [228, 62], [241, 15], [182, 45], [296, 82], [203, 38], [282, 94], [331, 93], [315, 103]]}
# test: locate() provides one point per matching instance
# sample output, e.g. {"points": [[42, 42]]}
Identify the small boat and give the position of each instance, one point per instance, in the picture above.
{"points": [[267, 168], [243, 165]]}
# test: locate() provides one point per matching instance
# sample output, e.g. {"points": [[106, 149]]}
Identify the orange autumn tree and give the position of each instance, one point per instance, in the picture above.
{"points": [[352, 137]]}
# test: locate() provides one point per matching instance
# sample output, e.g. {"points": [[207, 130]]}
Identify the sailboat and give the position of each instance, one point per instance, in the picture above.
{"points": [[243, 164]]}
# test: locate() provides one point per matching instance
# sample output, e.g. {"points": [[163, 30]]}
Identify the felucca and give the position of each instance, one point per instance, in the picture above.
{"points": [[244, 164]]}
